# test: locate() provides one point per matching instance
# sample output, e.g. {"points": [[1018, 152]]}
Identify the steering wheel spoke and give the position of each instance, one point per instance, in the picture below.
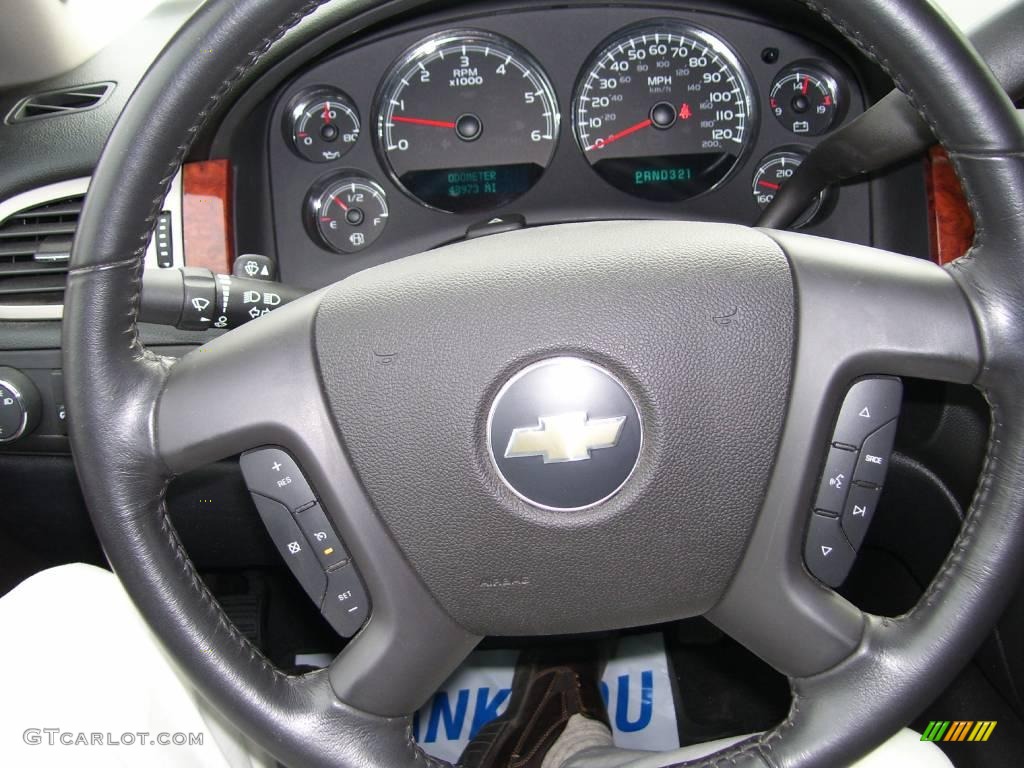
{"points": [[861, 312], [272, 397], [254, 386]]}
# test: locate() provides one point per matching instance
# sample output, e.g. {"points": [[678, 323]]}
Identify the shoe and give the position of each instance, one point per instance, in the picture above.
{"points": [[548, 688]]}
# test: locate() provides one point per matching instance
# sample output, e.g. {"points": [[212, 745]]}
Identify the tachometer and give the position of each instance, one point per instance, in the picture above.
{"points": [[466, 121], [663, 111]]}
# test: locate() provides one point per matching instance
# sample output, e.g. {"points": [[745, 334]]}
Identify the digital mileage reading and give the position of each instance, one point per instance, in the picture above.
{"points": [[466, 121], [663, 111]]}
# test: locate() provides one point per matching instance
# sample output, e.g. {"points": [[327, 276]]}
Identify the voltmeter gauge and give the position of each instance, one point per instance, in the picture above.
{"points": [[322, 124], [773, 172], [349, 213], [805, 99]]}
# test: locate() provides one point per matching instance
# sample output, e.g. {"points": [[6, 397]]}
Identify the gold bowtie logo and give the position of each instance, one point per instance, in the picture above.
{"points": [[568, 437]]}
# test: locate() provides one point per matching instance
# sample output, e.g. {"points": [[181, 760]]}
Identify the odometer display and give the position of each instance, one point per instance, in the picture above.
{"points": [[663, 111], [466, 121]]}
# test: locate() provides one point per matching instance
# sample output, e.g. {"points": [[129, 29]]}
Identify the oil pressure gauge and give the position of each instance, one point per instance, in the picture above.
{"points": [[349, 213], [805, 99], [322, 124]]}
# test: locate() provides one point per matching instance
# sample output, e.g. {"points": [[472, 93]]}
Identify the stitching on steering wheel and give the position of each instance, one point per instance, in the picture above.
{"points": [[872, 53], [761, 744], [135, 262], [189, 570]]}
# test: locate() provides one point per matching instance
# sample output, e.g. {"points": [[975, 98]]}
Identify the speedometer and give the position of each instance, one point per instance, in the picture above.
{"points": [[466, 121], [663, 111]]}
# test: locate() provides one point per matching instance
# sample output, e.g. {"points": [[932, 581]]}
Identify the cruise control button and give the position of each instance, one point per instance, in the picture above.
{"points": [[873, 462], [320, 533], [869, 404], [835, 482], [346, 604], [827, 553], [860, 508], [293, 546], [271, 472]]}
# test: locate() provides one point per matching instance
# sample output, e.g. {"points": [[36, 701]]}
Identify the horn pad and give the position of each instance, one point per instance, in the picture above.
{"points": [[568, 428]]}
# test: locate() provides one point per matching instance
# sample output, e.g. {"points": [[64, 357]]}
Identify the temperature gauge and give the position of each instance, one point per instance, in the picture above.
{"points": [[774, 171], [323, 125], [805, 99], [349, 213]]}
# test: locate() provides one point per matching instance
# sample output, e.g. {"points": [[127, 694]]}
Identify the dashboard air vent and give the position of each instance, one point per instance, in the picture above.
{"points": [[35, 247], [60, 102]]}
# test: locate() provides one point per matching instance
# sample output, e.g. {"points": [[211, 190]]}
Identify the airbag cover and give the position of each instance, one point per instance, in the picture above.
{"points": [[695, 320]]}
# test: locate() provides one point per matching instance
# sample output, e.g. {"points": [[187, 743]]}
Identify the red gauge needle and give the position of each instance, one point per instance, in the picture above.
{"points": [[327, 113], [421, 121], [621, 134], [343, 206], [769, 185], [807, 84]]}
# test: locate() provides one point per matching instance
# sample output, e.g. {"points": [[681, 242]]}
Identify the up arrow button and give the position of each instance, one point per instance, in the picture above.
{"points": [[870, 404]]}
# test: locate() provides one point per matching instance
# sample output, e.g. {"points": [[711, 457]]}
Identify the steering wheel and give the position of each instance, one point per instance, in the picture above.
{"points": [[381, 386]]}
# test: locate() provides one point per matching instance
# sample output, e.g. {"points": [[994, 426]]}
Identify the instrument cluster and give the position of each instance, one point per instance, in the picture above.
{"points": [[541, 115]]}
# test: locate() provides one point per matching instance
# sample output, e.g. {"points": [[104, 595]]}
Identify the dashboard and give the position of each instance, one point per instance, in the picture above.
{"points": [[462, 124], [352, 146]]}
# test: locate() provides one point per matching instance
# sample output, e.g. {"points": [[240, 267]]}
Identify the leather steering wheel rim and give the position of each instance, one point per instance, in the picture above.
{"points": [[126, 449]]}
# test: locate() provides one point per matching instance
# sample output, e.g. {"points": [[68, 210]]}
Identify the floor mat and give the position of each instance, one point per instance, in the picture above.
{"points": [[637, 689]]}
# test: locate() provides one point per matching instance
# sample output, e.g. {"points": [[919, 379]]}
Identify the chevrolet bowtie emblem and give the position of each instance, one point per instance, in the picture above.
{"points": [[563, 438]]}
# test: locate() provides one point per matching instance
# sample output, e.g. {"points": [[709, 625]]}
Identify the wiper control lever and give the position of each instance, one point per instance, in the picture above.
{"points": [[196, 299]]}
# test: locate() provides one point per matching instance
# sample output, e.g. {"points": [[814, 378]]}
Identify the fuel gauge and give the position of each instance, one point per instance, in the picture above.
{"points": [[323, 125], [349, 213], [805, 99]]}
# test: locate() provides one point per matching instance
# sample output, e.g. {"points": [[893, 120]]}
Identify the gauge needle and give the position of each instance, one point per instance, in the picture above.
{"points": [[769, 185], [807, 85], [327, 112], [421, 121], [343, 206], [620, 135]]}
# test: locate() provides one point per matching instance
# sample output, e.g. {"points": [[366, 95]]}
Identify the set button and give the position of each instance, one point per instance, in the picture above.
{"points": [[346, 604]]}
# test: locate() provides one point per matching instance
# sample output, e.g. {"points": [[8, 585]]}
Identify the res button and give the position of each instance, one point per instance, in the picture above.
{"points": [[273, 473]]}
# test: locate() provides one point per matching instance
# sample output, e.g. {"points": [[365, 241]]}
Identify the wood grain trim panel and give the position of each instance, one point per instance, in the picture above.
{"points": [[950, 224], [207, 215]]}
